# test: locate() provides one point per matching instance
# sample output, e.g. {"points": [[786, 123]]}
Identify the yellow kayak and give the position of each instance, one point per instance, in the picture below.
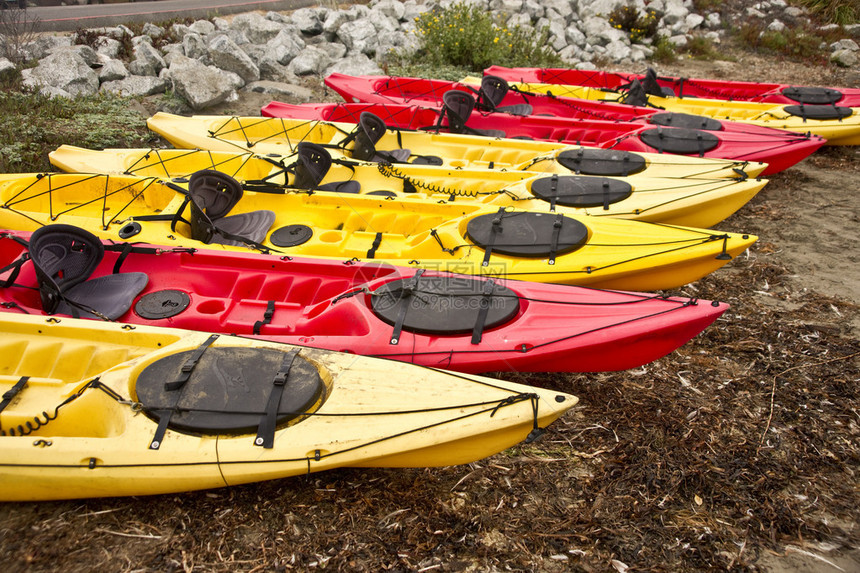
{"points": [[686, 201], [838, 125], [281, 136], [93, 409], [473, 239]]}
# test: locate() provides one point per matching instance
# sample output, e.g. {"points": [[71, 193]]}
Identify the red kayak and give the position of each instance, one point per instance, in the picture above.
{"points": [[432, 318], [785, 94], [779, 149]]}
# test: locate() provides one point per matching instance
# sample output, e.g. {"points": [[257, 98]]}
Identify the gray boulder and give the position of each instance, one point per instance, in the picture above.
{"points": [[153, 31], [845, 58], [355, 65], [358, 36], [194, 46], [200, 85], [225, 54], [112, 71], [202, 27], [7, 68], [333, 22], [307, 21], [258, 29], [65, 70], [44, 45], [147, 61], [109, 47], [133, 86], [285, 46], [391, 8], [280, 90], [312, 60]]}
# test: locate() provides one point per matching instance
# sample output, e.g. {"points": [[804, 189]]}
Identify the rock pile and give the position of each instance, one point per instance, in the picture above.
{"points": [[206, 62]]}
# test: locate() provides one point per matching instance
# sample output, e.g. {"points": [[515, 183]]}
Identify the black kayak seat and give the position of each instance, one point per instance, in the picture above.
{"points": [[367, 134], [64, 258], [212, 195], [458, 106], [313, 165], [493, 91]]}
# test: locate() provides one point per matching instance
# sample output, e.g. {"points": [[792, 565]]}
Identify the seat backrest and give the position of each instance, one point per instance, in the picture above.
{"points": [[63, 256], [370, 130], [494, 89], [458, 107], [313, 165], [214, 192]]}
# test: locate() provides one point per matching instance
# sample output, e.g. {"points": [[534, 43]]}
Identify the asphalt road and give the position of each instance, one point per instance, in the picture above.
{"points": [[70, 18]]}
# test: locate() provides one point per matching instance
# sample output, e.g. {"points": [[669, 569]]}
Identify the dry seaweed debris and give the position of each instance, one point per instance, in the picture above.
{"points": [[747, 439]]}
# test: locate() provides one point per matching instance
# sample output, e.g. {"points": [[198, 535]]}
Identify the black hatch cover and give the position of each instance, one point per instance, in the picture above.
{"points": [[526, 234], [813, 95], [228, 389], [575, 191], [820, 112], [679, 140], [443, 304], [602, 161], [686, 120]]}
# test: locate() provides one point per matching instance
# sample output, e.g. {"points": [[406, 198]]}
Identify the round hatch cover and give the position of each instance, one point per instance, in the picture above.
{"points": [[443, 304], [162, 304], [291, 235], [228, 389], [820, 112], [686, 120], [602, 161], [679, 140], [574, 191], [813, 95], [525, 234]]}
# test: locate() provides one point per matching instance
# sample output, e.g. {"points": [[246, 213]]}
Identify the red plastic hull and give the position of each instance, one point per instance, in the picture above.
{"points": [[555, 329], [689, 87], [779, 149]]}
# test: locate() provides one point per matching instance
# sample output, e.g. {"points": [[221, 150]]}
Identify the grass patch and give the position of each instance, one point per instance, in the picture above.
{"points": [[32, 125], [842, 12], [800, 44]]}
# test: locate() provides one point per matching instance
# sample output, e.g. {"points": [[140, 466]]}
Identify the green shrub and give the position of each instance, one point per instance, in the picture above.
{"points": [[664, 51], [468, 37], [637, 26]]}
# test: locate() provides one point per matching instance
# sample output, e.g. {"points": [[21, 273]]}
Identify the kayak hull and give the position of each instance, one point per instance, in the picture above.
{"points": [[690, 202], [599, 252], [325, 304], [100, 438], [777, 148]]}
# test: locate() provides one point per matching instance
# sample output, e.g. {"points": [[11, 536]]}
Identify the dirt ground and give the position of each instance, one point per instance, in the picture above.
{"points": [[740, 451]]}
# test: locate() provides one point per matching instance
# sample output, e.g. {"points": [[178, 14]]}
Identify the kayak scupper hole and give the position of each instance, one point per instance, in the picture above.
{"points": [[330, 237], [211, 307]]}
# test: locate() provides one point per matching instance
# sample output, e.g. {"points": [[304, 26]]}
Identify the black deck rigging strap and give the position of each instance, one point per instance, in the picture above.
{"points": [[267, 317], [268, 423], [15, 267], [408, 291], [553, 190], [371, 252], [10, 394], [483, 310], [495, 229], [556, 231], [176, 386]]}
